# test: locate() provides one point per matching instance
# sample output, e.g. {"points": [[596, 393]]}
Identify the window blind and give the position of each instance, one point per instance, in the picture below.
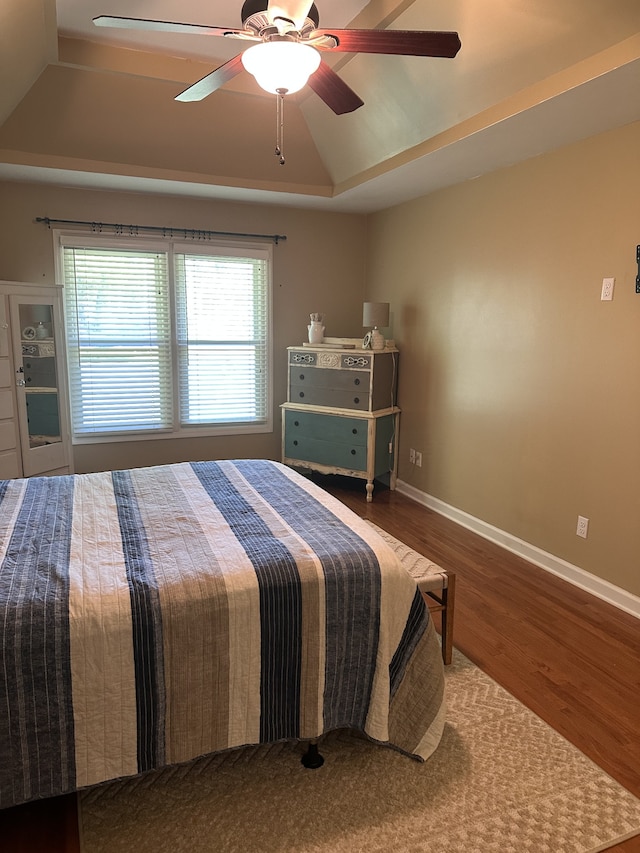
{"points": [[118, 340], [166, 339], [222, 332]]}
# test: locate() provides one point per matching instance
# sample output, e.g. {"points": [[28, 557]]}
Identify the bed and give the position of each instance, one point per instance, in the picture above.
{"points": [[153, 615]]}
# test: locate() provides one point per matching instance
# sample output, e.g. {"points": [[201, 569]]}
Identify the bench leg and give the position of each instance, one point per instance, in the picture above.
{"points": [[445, 606], [448, 600]]}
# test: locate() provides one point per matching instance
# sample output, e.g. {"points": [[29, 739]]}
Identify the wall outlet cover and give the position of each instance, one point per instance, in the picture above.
{"points": [[607, 289]]}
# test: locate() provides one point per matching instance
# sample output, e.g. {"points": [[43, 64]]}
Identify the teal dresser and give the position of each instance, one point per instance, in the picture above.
{"points": [[341, 415]]}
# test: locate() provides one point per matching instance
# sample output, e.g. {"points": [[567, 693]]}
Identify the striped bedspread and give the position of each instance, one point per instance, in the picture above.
{"points": [[154, 615]]}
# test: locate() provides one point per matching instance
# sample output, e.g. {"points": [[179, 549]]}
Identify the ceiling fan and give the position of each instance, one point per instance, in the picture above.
{"points": [[287, 55]]}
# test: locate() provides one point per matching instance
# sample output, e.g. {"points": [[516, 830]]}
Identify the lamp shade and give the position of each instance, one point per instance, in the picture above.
{"points": [[375, 314], [281, 66]]}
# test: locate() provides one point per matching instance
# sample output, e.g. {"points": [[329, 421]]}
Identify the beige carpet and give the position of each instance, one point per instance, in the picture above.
{"points": [[501, 780]]}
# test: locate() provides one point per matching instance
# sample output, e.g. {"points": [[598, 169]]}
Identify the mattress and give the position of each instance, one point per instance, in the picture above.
{"points": [[152, 615]]}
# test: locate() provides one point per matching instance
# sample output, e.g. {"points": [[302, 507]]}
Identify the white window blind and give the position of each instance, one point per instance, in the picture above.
{"points": [[222, 329], [166, 340], [118, 340]]}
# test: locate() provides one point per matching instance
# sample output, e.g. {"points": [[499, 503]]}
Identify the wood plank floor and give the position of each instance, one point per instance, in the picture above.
{"points": [[571, 658]]}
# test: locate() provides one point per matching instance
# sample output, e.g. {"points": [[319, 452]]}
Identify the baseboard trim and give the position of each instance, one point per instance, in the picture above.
{"points": [[603, 589]]}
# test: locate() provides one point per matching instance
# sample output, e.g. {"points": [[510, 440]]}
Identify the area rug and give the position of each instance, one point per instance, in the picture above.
{"points": [[501, 780]]}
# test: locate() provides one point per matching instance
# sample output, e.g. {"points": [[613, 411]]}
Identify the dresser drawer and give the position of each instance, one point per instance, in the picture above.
{"points": [[324, 453], [326, 439], [334, 359], [40, 372], [341, 389], [327, 427], [338, 380], [358, 400]]}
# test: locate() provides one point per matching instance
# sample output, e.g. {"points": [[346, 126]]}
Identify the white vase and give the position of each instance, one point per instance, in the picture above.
{"points": [[377, 339], [316, 333]]}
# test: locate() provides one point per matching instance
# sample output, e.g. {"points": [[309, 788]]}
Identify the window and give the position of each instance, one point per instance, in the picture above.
{"points": [[165, 340]]}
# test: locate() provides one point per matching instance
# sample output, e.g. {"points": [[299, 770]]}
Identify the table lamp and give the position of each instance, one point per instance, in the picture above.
{"points": [[375, 315]]}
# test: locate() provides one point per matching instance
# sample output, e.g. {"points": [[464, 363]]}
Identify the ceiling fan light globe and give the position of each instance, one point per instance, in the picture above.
{"points": [[281, 65]]}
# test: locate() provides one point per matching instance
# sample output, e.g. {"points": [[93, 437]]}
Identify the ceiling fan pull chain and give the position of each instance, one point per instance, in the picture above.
{"points": [[280, 124]]}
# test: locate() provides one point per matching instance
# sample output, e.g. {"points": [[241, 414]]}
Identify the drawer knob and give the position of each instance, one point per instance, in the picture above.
{"points": [[296, 423], [356, 381], [295, 443], [353, 453], [356, 399], [354, 431], [301, 394], [302, 376]]}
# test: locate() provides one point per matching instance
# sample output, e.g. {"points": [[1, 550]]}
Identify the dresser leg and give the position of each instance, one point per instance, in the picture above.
{"points": [[369, 491]]}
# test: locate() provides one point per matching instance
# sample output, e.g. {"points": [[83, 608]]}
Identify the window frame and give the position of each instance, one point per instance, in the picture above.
{"points": [[230, 248]]}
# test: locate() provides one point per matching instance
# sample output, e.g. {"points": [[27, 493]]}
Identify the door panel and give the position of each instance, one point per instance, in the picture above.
{"points": [[37, 379]]}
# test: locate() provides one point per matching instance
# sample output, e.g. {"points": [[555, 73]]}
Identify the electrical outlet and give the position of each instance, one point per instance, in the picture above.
{"points": [[583, 527], [607, 289], [412, 456], [418, 459]]}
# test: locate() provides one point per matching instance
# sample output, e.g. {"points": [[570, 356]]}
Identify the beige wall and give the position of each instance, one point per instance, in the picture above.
{"points": [[520, 387], [320, 267]]}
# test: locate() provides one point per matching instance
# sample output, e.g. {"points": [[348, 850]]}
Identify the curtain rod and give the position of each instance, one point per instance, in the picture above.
{"points": [[166, 230]]}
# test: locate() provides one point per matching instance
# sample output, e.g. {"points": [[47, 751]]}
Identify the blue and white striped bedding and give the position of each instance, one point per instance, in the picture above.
{"points": [[153, 615]]}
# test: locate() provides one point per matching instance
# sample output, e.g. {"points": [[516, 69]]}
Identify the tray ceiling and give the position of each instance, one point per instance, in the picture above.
{"points": [[89, 107]]}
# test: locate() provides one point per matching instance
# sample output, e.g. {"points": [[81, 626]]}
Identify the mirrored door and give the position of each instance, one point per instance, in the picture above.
{"points": [[40, 412]]}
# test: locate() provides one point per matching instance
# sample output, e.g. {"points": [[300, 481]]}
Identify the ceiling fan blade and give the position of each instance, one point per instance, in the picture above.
{"points": [[213, 81], [400, 42], [162, 26], [333, 90], [292, 10]]}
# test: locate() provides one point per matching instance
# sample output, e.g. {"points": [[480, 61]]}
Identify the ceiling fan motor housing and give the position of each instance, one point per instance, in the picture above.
{"points": [[255, 9]]}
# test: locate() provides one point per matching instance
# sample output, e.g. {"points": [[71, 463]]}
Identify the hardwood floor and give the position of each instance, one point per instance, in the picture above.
{"points": [[571, 658], [45, 826]]}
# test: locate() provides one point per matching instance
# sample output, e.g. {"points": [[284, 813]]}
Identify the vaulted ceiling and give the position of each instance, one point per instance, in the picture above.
{"points": [[88, 106]]}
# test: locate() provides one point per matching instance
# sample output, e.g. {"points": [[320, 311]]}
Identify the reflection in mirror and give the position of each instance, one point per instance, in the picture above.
{"points": [[40, 375]]}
